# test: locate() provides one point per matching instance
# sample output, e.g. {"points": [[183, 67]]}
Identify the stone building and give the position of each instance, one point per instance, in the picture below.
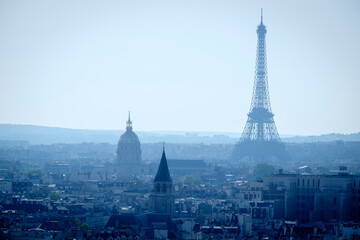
{"points": [[128, 154], [161, 199], [309, 198]]}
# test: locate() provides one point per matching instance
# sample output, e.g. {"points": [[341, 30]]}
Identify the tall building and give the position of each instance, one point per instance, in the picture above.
{"points": [[161, 198], [128, 152], [309, 198], [260, 140]]}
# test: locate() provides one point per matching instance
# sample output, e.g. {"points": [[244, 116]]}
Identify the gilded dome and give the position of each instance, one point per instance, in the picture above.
{"points": [[129, 137], [128, 150]]}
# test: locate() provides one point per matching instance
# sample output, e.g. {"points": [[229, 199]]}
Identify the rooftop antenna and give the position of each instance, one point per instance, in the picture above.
{"points": [[261, 16]]}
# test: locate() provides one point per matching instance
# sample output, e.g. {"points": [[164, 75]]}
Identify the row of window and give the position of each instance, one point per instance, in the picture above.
{"points": [[163, 187], [334, 214], [357, 185], [308, 183], [251, 196], [322, 200], [305, 197]]}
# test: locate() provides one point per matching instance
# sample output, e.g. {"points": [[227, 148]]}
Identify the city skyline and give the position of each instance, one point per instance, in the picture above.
{"points": [[178, 66]]}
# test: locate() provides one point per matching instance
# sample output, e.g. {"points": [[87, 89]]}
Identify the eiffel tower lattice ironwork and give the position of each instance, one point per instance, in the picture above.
{"points": [[260, 139]]}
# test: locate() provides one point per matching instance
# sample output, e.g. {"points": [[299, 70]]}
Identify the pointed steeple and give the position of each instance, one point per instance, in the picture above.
{"points": [[163, 174], [129, 123]]}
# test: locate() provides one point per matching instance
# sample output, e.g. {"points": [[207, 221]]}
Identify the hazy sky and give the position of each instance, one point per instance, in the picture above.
{"points": [[178, 65]]}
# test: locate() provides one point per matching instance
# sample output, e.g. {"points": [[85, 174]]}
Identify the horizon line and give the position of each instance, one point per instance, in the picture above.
{"points": [[174, 131]]}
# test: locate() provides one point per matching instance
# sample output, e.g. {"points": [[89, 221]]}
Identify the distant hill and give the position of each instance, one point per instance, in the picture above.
{"points": [[49, 135], [324, 138]]}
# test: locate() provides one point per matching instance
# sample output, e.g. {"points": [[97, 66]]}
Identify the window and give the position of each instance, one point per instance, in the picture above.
{"points": [[334, 200], [157, 187]]}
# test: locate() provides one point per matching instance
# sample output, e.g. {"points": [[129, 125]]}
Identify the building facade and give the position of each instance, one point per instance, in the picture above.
{"points": [[309, 198]]}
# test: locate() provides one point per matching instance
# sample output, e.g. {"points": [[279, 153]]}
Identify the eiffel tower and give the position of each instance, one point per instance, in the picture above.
{"points": [[260, 140]]}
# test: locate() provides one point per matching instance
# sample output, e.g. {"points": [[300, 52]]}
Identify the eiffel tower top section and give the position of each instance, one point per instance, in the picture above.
{"points": [[261, 98]]}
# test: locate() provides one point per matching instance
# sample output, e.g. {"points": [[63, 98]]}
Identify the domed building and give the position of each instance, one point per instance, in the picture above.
{"points": [[128, 151]]}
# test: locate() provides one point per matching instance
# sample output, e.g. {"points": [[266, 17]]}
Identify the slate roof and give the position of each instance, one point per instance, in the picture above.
{"points": [[62, 225], [116, 221], [29, 208], [189, 164], [141, 220], [163, 174]]}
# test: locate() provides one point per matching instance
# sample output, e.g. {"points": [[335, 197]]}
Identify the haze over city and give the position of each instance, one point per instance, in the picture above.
{"points": [[179, 120], [180, 66]]}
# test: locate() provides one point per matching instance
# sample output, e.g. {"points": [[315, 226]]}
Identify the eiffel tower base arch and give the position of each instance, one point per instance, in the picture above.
{"points": [[260, 151]]}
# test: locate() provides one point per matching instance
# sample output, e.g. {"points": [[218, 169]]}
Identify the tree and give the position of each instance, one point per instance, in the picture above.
{"points": [[322, 170], [34, 174], [54, 196], [263, 169], [191, 180], [84, 227], [77, 221]]}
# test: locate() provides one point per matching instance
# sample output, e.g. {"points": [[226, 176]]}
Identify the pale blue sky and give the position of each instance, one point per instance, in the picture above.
{"points": [[178, 65]]}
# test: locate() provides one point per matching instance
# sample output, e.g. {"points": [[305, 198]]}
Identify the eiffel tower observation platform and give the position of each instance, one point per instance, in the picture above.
{"points": [[260, 140]]}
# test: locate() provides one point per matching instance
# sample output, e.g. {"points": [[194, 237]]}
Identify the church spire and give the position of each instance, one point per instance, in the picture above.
{"points": [[129, 123], [163, 174]]}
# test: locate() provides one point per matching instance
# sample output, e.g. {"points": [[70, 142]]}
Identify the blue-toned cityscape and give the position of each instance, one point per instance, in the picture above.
{"points": [[68, 183]]}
